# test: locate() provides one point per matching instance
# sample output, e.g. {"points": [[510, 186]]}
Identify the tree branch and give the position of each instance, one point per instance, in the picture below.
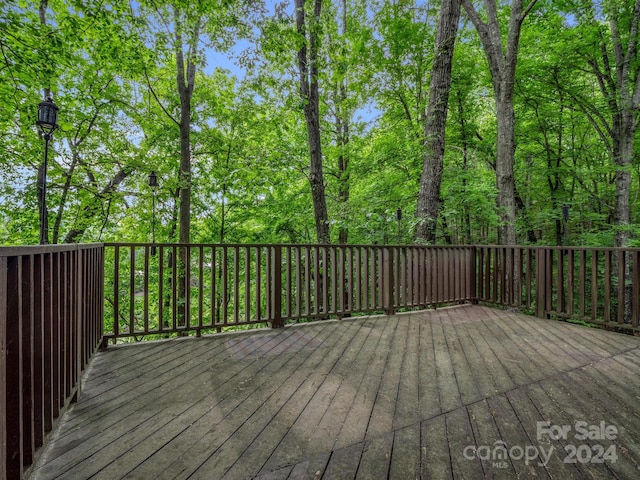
{"points": [[158, 100]]}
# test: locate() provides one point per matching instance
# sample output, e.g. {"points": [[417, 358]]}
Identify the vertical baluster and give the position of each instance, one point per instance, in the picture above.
{"points": [[258, 283], [334, 281], [621, 284], [289, 284], [325, 280], [225, 285], [635, 302], [607, 286], [560, 282], [570, 280], [161, 323], [276, 301], [214, 274], [358, 278], [200, 288], [247, 284], [145, 284], [39, 362], [594, 284], [582, 269], [174, 288], [298, 310]]}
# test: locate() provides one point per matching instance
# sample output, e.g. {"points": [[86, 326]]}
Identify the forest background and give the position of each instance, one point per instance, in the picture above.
{"points": [[326, 127]]}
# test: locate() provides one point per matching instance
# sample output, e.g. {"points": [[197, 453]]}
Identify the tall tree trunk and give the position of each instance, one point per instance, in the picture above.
{"points": [[506, 201], [308, 70], [186, 73], [502, 65], [436, 120], [342, 133], [627, 72]]}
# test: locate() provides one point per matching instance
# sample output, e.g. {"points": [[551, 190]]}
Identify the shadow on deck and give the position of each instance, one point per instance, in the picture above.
{"points": [[431, 394]]}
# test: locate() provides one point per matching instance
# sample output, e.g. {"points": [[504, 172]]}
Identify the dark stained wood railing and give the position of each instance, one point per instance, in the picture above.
{"points": [[51, 316], [594, 285], [232, 285], [58, 303]]}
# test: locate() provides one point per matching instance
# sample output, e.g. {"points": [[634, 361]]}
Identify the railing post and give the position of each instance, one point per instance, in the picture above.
{"points": [[3, 367], [81, 301], [541, 282], [276, 288], [388, 281], [473, 271], [11, 367]]}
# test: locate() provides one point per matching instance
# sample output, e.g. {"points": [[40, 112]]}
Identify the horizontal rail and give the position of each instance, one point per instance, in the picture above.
{"points": [[51, 321]]}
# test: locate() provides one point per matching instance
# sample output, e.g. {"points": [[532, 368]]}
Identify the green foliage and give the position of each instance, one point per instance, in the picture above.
{"points": [[112, 68]]}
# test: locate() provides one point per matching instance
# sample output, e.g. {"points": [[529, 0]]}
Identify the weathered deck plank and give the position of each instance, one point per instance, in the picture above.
{"points": [[418, 395]]}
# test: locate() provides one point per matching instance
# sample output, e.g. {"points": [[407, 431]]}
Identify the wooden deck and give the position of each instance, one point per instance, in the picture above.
{"points": [[430, 394]]}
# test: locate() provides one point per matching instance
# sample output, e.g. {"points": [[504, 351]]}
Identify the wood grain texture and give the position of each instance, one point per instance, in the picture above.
{"points": [[414, 395]]}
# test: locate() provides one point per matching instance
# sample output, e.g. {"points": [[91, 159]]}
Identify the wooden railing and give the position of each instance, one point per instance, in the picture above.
{"points": [[213, 287], [58, 303], [594, 285], [51, 316]]}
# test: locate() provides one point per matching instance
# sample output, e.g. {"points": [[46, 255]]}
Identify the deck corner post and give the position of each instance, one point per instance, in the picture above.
{"points": [[3, 367], [276, 288]]}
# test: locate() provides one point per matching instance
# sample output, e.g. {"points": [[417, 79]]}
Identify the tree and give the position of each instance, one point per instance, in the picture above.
{"points": [[614, 61], [502, 58], [309, 31], [436, 120]]}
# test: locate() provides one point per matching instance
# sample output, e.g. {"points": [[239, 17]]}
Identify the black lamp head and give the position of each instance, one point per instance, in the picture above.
{"points": [[153, 180], [47, 116]]}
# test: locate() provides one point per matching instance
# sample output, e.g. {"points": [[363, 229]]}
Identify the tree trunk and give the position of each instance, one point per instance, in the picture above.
{"points": [[436, 120], [622, 215], [628, 89], [342, 139], [308, 70], [506, 201], [186, 73], [502, 66], [185, 82]]}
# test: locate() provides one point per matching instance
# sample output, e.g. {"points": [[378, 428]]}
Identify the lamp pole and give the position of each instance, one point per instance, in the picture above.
{"points": [[153, 183], [399, 218], [47, 122]]}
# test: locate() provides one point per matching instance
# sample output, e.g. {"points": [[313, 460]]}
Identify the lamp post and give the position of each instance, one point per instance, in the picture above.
{"points": [[399, 218], [153, 183], [47, 122]]}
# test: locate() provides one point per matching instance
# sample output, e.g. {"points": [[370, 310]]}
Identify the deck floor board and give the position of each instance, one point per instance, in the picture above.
{"points": [[425, 394]]}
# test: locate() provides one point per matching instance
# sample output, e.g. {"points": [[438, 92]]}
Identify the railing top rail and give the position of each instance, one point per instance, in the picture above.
{"points": [[9, 251], [312, 245], [555, 247], [13, 251]]}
